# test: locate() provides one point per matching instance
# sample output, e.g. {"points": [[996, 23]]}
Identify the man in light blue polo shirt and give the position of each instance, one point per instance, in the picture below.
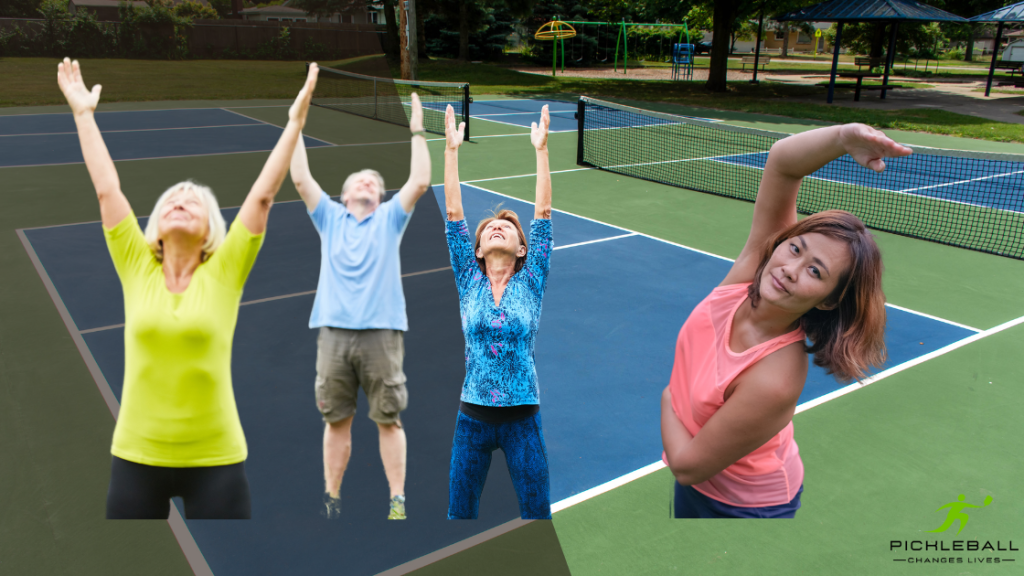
{"points": [[360, 311]]}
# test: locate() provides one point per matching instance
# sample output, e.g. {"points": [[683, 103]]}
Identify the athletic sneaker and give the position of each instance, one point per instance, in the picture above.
{"points": [[332, 507], [397, 508]]}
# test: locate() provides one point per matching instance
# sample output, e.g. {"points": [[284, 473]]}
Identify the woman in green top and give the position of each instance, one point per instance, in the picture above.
{"points": [[178, 431]]}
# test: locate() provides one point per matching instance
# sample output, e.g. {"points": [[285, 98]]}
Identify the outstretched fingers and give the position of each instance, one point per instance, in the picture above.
{"points": [[416, 117]]}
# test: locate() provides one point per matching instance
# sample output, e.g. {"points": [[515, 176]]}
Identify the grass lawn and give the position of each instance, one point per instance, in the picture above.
{"points": [[30, 81]]}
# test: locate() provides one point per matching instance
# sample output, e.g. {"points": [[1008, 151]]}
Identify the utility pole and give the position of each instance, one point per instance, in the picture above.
{"points": [[409, 50]]}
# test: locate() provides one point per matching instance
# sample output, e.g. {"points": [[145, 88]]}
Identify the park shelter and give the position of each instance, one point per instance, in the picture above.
{"points": [[1013, 14], [884, 11]]}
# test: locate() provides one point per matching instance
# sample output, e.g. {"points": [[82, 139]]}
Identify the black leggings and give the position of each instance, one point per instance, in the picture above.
{"points": [[138, 491]]}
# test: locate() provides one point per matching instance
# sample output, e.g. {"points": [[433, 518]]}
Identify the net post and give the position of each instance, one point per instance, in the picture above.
{"points": [[465, 110], [376, 96], [581, 110]]}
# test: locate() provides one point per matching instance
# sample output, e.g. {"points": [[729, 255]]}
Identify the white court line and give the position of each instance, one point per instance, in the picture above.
{"points": [[520, 113], [327, 145], [134, 130], [957, 324], [520, 176], [595, 241], [517, 125], [690, 248], [276, 126], [959, 182], [654, 467], [69, 113], [907, 192]]}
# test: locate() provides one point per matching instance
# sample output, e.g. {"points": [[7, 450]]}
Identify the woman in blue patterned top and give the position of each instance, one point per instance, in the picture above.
{"points": [[501, 280]]}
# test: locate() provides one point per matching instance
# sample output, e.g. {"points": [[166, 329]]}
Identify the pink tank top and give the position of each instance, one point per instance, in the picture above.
{"points": [[703, 369]]}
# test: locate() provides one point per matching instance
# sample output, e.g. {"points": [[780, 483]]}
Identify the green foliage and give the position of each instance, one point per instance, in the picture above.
{"points": [[490, 27], [222, 7], [193, 10], [19, 9], [153, 31], [277, 48]]}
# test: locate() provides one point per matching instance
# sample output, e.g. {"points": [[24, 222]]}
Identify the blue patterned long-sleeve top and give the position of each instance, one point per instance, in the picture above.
{"points": [[500, 368]]}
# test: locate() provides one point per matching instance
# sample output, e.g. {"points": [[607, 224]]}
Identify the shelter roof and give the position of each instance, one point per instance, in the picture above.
{"points": [[1012, 13], [870, 11]]}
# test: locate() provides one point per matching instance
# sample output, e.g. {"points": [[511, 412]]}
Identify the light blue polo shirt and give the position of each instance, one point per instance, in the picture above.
{"points": [[360, 285]]}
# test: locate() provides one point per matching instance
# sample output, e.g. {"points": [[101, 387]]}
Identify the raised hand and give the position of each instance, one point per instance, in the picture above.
{"points": [[539, 134], [869, 146], [453, 137], [416, 118], [81, 99], [300, 108]]}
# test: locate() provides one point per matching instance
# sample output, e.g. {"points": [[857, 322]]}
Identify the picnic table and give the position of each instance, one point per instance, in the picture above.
{"points": [[860, 76]]}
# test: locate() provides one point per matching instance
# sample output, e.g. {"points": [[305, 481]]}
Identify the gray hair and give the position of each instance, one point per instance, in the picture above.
{"points": [[367, 172], [217, 227]]}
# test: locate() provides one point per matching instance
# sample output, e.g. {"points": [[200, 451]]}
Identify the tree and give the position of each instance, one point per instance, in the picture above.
{"points": [[195, 11], [966, 33], [19, 8], [725, 14]]}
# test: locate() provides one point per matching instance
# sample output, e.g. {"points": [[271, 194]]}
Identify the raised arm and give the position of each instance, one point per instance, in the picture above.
{"points": [[114, 206], [419, 171], [790, 160], [256, 207], [539, 139], [452, 189], [308, 188]]}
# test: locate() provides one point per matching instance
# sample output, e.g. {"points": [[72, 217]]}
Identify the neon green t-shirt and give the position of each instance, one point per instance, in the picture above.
{"points": [[177, 405]]}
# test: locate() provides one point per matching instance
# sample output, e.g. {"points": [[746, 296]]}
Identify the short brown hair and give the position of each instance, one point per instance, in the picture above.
{"points": [[504, 214], [850, 338]]}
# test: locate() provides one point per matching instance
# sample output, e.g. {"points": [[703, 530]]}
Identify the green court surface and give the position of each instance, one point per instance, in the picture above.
{"points": [[879, 461]]}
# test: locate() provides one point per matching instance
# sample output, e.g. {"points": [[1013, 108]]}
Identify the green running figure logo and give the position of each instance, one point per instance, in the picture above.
{"points": [[956, 513]]}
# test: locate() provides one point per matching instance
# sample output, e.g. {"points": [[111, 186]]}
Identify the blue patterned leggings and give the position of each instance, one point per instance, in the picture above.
{"points": [[522, 441]]}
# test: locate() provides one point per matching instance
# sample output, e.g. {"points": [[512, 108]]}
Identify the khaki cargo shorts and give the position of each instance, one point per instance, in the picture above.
{"points": [[347, 360]]}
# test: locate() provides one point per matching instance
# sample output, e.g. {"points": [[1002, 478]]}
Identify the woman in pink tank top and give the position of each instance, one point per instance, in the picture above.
{"points": [[741, 357]]}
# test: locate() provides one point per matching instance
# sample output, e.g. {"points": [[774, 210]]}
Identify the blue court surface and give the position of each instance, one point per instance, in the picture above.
{"points": [[614, 304], [46, 139], [524, 112], [988, 183]]}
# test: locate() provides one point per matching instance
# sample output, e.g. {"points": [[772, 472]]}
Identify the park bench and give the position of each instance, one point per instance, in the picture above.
{"points": [[1013, 67], [869, 62], [762, 62]]}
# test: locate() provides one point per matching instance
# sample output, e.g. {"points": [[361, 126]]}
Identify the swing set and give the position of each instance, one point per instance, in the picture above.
{"points": [[560, 30]]}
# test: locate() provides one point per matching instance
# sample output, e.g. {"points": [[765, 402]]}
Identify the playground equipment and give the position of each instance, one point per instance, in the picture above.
{"points": [[682, 61], [556, 31], [560, 30]]}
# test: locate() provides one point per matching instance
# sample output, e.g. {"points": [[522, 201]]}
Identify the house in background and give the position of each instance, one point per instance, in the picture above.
{"points": [[276, 14], [104, 10], [359, 13]]}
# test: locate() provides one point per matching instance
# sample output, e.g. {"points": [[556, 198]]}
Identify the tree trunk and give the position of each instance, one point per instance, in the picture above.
{"points": [[464, 31], [392, 47], [421, 35], [720, 48], [785, 40], [969, 53]]}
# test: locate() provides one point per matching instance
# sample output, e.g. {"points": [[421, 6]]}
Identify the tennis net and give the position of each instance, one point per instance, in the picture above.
{"points": [[390, 100], [965, 199]]}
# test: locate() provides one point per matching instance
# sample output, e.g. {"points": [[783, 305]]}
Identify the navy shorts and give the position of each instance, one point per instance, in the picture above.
{"points": [[690, 503]]}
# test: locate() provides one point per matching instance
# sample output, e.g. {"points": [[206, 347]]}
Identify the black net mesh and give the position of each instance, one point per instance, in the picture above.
{"points": [[390, 100], [965, 199]]}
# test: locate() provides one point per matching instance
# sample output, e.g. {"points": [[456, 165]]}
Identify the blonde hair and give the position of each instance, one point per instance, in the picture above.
{"points": [[367, 172], [217, 228]]}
